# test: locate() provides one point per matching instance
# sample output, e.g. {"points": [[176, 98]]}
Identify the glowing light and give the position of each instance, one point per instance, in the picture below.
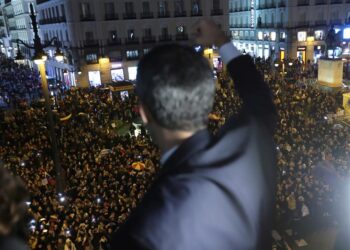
{"points": [[62, 199]]}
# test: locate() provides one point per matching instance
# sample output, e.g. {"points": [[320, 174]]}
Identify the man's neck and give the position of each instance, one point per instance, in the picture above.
{"points": [[169, 139]]}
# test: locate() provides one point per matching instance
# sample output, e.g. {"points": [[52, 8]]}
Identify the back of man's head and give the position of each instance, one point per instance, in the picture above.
{"points": [[176, 85]]}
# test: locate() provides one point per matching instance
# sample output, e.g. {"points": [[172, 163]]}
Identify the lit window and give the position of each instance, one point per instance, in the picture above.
{"points": [[319, 35], [180, 29], [132, 73], [273, 36], [132, 54], [301, 36], [260, 35]]}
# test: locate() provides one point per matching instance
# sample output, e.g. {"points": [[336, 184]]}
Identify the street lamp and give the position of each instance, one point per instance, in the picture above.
{"points": [[39, 59], [20, 59]]}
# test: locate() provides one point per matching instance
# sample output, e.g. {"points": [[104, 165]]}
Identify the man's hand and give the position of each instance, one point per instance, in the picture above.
{"points": [[208, 33]]}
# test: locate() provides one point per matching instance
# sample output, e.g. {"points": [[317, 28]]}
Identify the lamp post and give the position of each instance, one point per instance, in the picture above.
{"points": [[39, 59]]}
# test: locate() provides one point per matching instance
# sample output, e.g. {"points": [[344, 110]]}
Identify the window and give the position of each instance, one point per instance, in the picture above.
{"points": [[131, 34], [145, 7], [117, 75], [319, 35], [145, 51], [109, 8], [195, 7], [85, 9], [301, 36], [63, 11], [164, 31], [273, 36], [179, 6], [91, 58], [148, 32], [94, 78], [216, 4], [162, 7], [266, 36], [283, 36], [132, 73], [113, 35], [132, 54], [129, 7], [180, 29], [260, 35]]}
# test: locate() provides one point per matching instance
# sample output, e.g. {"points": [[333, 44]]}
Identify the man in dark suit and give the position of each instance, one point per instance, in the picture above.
{"points": [[213, 192]]}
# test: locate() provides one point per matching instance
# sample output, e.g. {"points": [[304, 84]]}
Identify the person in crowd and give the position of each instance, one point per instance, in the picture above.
{"points": [[97, 158], [13, 210]]}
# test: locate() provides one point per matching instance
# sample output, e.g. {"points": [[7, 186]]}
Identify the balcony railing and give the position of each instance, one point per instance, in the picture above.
{"points": [[303, 2], [11, 15], [148, 39], [217, 12], [130, 15], [320, 22], [134, 40], [265, 25], [165, 38], [41, 1], [233, 26], [281, 4], [111, 16], [279, 25], [61, 19], [335, 22], [163, 14], [12, 28], [87, 17], [116, 41], [181, 37], [302, 24], [240, 9], [197, 13], [267, 6], [180, 13], [146, 15], [91, 43]]}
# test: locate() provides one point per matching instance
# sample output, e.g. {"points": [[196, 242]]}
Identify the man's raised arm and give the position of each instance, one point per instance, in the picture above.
{"points": [[248, 82]]}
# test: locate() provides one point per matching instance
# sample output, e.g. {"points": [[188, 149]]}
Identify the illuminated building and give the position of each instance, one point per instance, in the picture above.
{"points": [[282, 28], [103, 40]]}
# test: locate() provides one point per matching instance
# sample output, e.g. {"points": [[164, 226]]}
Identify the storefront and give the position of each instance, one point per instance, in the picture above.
{"points": [[301, 54]]}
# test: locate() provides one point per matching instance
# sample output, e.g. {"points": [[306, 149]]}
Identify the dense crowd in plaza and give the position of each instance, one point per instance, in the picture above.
{"points": [[102, 186], [18, 82]]}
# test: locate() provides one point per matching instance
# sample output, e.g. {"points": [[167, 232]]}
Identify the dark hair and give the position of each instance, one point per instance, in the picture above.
{"points": [[176, 84], [13, 210]]}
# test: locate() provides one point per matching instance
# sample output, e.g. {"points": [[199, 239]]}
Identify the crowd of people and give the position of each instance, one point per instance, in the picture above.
{"points": [[107, 173], [18, 82]]}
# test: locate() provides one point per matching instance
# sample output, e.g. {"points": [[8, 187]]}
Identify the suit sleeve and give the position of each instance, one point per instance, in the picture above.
{"points": [[256, 95]]}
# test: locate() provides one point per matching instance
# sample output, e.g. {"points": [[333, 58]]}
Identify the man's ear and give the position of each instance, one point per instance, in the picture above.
{"points": [[144, 113]]}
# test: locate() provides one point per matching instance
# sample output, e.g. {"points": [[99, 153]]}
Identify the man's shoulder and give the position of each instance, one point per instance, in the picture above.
{"points": [[10, 243]]}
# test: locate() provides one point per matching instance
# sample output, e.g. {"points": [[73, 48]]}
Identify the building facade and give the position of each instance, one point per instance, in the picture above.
{"points": [[286, 28], [16, 24], [103, 39]]}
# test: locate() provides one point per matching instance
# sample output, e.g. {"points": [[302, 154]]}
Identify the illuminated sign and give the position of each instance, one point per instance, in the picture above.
{"points": [[252, 13]]}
